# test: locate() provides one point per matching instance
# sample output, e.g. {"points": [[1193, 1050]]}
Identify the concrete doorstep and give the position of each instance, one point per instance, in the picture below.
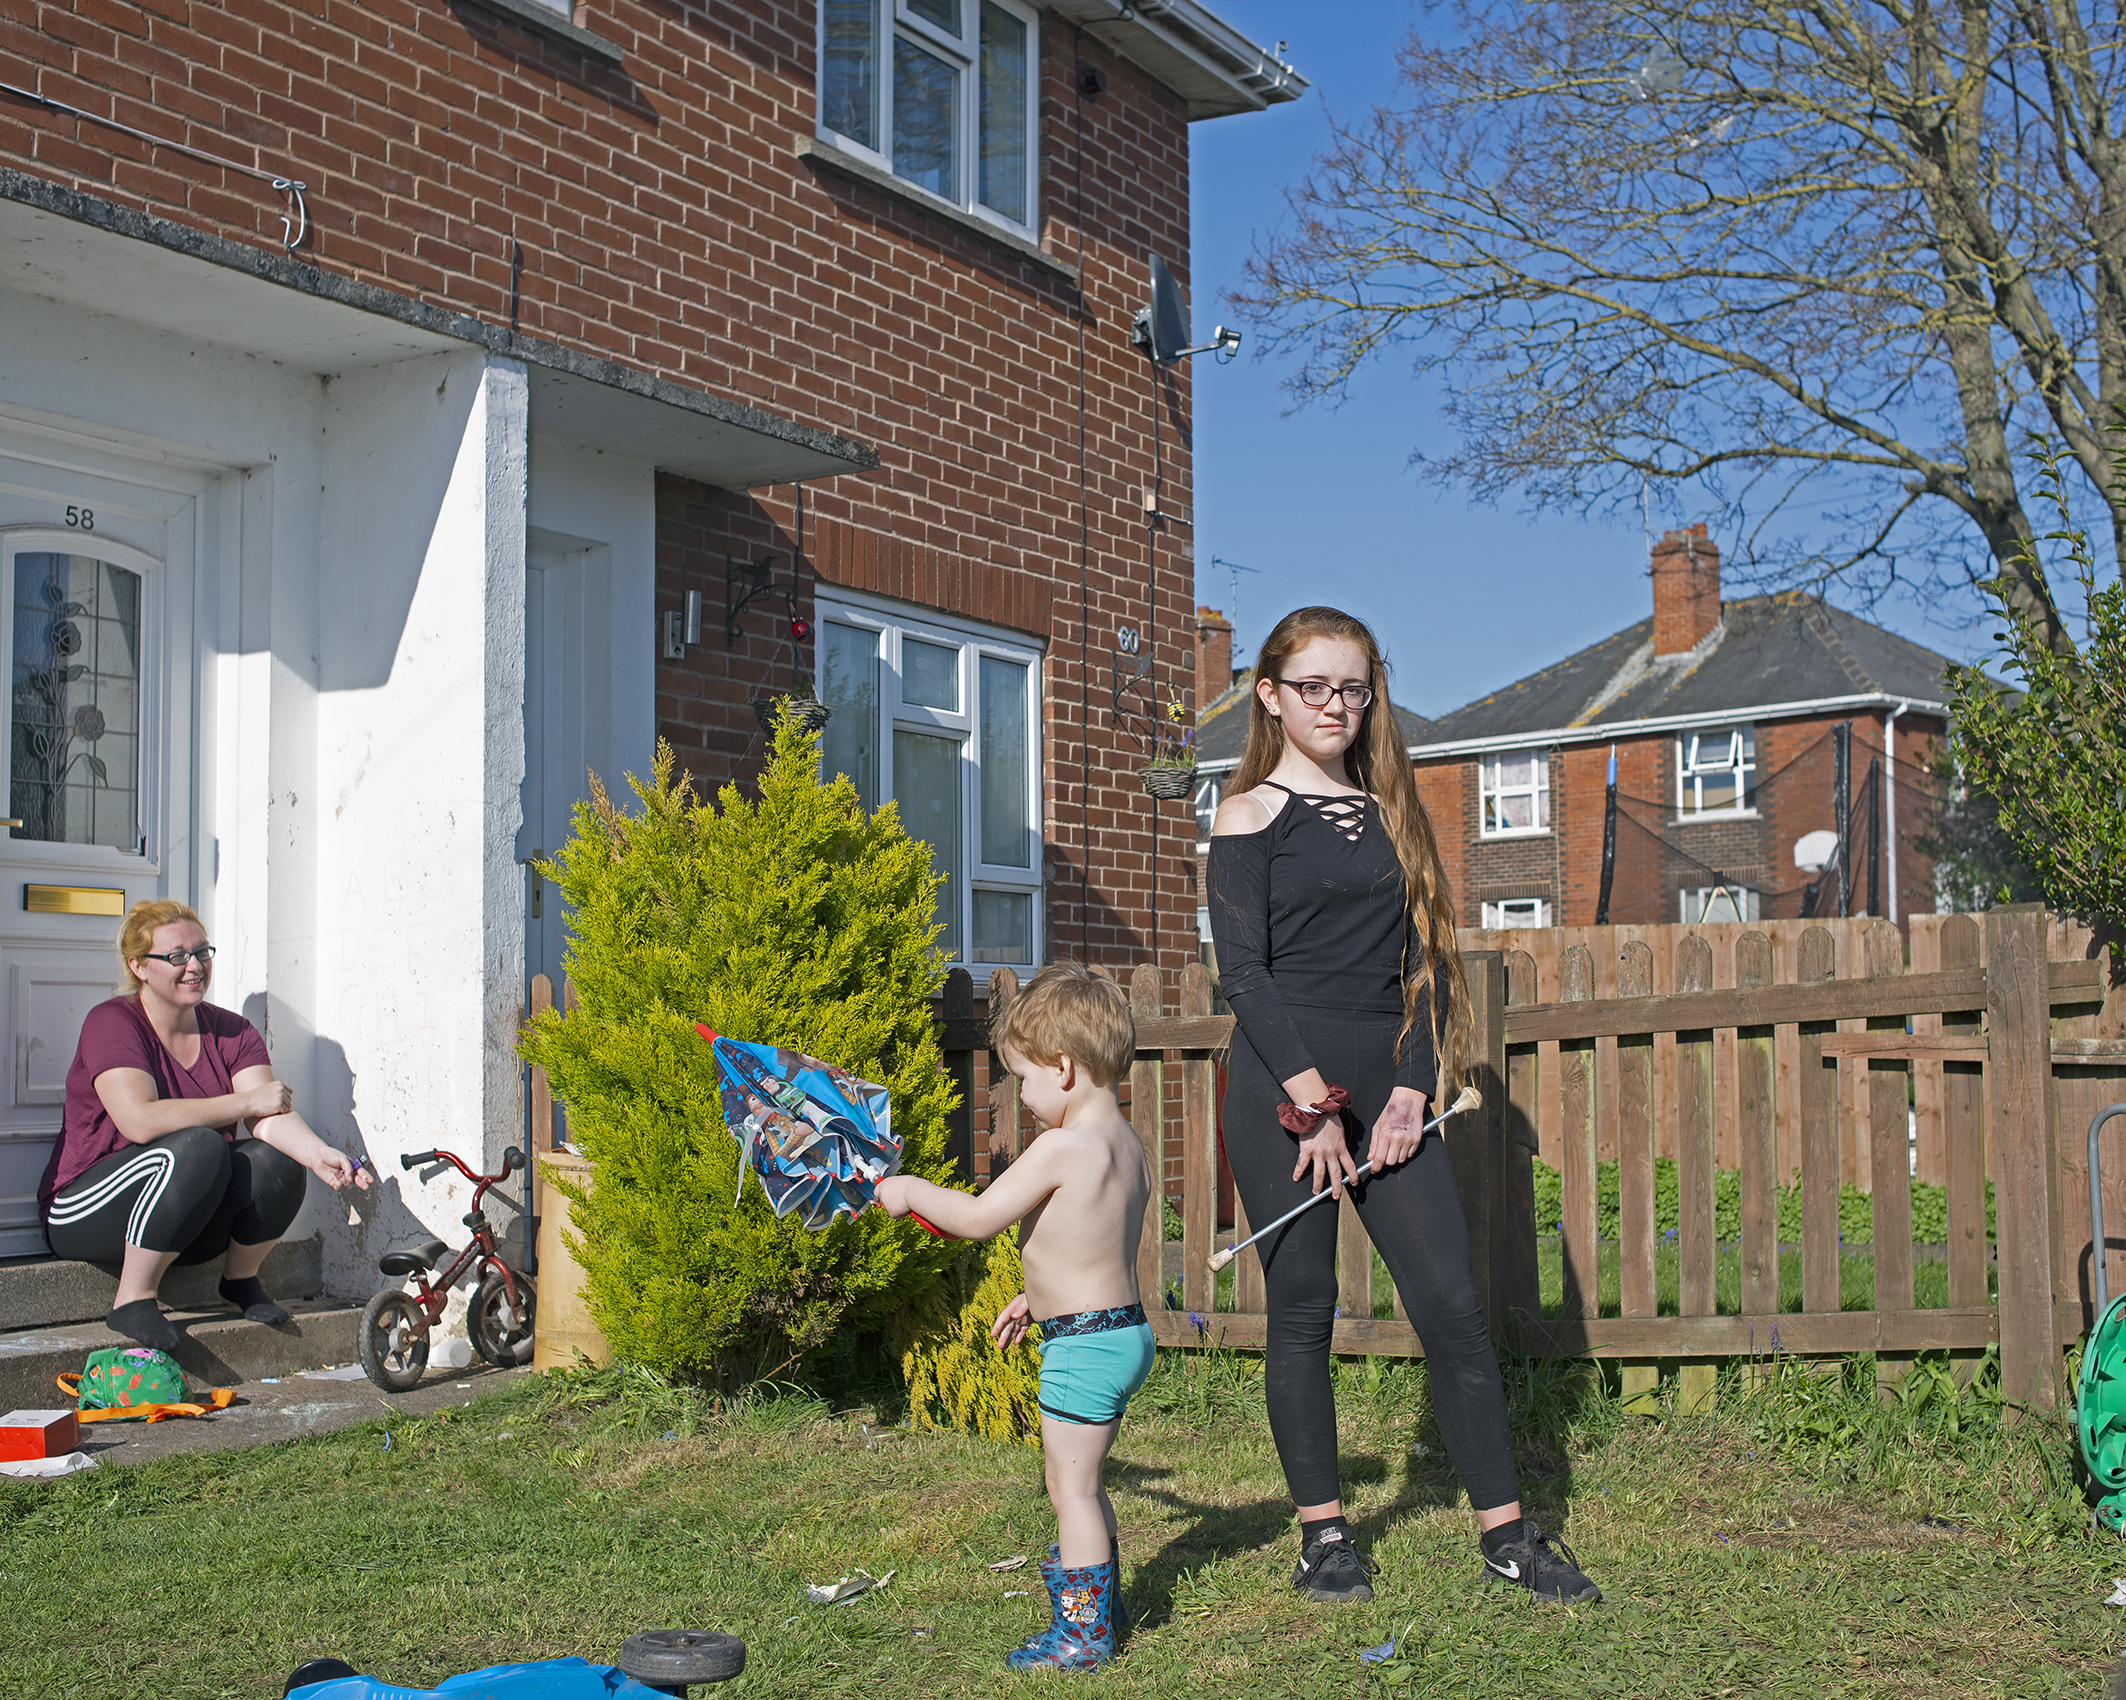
{"points": [[220, 1348]]}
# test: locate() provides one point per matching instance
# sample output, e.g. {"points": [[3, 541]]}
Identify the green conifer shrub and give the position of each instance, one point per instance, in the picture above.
{"points": [[957, 1376], [794, 920]]}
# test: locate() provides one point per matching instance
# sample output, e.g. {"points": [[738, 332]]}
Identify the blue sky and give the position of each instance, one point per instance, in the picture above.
{"points": [[1325, 503]]}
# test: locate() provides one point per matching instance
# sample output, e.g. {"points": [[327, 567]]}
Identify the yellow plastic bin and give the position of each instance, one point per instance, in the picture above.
{"points": [[565, 1326]]}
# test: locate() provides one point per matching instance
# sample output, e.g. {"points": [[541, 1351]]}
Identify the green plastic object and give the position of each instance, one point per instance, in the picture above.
{"points": [[2100, 1413]]}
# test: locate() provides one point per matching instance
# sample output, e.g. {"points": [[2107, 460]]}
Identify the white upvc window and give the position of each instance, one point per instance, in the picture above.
{"points": [[1518, 912], [943, 717], [1707, 903], [1716, 772], [1514, 790], [1210, 792], [942, 93]]}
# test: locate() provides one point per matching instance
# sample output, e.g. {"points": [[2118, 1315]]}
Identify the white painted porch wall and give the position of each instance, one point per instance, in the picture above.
{"points": [[411, 819]]}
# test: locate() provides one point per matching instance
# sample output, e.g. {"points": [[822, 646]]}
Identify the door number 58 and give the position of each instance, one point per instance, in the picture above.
{"points": [[80, 519]]}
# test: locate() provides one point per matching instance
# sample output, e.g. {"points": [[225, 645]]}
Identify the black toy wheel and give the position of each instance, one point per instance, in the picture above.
{"points": [[393, 1341], [501, 1332], [672, 1658]]}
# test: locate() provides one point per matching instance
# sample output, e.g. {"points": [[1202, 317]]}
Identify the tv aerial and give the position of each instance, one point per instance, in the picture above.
{"points": [[1161, 327]]}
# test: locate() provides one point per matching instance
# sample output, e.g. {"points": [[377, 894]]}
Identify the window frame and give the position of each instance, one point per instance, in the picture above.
{"points": [[894, 19], [1690, 776], [1750, 909], [975, 642], [148, 799], [1487, 787], [1492, 913]]}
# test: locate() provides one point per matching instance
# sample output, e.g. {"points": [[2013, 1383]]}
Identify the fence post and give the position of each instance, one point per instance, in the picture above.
{"points": [[1147, 1113], [2019, 1062], [1199, 1156], [1477, 1147], [958, 1011], [1003, 1084]]}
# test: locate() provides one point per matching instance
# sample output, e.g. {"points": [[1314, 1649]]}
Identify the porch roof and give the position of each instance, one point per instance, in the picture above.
{"points": [[92, 253]]}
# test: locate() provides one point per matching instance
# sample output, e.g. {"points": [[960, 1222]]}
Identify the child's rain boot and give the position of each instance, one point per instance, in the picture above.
{"points": [[1120, 1613], [1080, 1634]]}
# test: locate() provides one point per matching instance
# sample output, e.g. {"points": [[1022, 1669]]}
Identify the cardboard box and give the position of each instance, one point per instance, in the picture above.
{"points": [[38, 1434]]}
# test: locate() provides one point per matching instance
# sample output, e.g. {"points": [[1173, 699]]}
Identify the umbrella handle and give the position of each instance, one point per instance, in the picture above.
{"points": [[931, 1229]]}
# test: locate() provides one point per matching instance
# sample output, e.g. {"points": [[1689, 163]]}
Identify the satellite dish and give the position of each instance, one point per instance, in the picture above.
{"points": [[1161, 325], [1813, 851]]}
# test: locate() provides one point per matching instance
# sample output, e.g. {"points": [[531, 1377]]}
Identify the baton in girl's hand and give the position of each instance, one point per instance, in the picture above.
{"points": [[1469, 1099]]}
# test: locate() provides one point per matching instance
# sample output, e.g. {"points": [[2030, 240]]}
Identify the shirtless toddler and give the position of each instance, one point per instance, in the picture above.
{"points": [[1079, 1195]]}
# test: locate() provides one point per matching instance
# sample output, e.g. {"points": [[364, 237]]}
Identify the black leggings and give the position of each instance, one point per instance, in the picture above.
{"points": [[1414, 1216], [190, 1192]]}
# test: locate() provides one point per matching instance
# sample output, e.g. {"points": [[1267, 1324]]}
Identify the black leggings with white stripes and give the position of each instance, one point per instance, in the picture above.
{"points": [[190, 1192]]}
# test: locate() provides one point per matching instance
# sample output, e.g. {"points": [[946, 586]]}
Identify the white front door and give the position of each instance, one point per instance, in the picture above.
{"points": [[96, 603]]}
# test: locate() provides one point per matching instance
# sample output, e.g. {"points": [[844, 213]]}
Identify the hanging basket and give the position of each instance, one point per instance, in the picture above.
{"points": [[801, 706], [1168, 783]]}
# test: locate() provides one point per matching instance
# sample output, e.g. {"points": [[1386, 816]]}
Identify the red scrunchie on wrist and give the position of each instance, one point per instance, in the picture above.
{"points": [[1302, 1119]]}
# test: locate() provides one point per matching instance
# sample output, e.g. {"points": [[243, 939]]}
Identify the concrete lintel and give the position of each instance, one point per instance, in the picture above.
{"points": [[75, 247]]}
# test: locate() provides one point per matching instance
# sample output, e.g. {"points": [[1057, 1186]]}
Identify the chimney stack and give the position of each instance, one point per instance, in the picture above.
{"points": [[1686, 574], [1214, 656]]}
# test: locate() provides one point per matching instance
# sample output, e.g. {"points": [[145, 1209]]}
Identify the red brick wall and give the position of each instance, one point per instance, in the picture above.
{"points": [[667, 223]]}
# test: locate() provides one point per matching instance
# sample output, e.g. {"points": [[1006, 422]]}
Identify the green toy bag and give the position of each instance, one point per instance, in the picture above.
{"points": [[136, 1384]]}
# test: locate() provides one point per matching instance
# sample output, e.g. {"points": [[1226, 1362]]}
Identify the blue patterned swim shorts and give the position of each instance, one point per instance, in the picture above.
{"points": [[1093, 1362]]}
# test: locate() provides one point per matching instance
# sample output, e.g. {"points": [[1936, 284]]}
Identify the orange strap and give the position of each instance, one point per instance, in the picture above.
{"points": [[217, 1399]]}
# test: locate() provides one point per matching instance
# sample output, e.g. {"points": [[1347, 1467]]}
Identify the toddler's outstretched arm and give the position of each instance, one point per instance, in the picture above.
{"points": [[974, 1215]]}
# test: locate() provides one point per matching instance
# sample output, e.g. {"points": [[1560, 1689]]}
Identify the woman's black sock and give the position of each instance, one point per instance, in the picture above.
{"points": [[143, 1320], [249, 1296], [1495, 1541], [1309, 1533]]}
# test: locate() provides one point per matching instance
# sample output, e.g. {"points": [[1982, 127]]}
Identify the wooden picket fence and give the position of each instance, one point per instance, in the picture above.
{"points": [[1785, 1052]]}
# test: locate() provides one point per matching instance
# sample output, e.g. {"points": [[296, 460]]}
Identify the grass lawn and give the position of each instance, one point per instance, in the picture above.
{"points": [[1807, 1541]]}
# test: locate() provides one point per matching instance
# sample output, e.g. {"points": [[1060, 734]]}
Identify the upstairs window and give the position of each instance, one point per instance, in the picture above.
{"points": [[1515, 792], [1517, 912], [1716, 772], [1703, 904], [940, 93], [1210, 792]]}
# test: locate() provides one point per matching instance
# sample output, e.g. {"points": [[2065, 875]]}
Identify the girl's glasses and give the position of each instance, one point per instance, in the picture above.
{"points": [[178, 958], [1315, 693]]}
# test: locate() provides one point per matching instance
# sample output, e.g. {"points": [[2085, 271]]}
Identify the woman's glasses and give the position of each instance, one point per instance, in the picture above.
{"points": [[1315, 693], [178, 958]]}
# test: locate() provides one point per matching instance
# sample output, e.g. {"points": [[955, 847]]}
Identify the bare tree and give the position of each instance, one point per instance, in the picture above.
{"points": [[1849, 252]]}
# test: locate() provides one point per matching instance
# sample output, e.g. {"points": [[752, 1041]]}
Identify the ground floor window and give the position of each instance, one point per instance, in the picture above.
{"points": [[1705, 903], [1518, 912], [943, 717]]}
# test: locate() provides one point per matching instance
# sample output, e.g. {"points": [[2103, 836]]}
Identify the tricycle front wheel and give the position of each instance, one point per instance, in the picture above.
{"points": [[393, 1342], [501, 1332]]}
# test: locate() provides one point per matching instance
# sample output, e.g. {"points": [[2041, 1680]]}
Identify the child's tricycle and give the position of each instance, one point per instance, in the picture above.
{"points": [[393, 1344]]}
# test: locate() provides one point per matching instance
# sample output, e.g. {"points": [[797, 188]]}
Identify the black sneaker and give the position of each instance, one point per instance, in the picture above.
{"points": [[1542, 1564], [1332, 1571]]}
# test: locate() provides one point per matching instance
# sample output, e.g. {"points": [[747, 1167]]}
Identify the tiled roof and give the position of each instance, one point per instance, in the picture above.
{"points": [[1223, 727], [1787, 648]]}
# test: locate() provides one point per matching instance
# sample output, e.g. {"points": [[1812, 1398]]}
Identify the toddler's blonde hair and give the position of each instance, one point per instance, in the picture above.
{"points": [[1068, 1010]]}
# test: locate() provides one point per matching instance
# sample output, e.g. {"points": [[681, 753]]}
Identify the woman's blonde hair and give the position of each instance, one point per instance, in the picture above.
{"points": [[1378, 764], [138, 934]]}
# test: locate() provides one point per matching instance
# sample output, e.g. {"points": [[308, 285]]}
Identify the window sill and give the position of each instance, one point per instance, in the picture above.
{"points": [[1709, 816], [1484, 837], [540, 20], [825, 156]]}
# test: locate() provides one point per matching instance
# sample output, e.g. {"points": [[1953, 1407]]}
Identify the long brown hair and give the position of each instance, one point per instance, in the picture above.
{"points": [[1378, 764]]}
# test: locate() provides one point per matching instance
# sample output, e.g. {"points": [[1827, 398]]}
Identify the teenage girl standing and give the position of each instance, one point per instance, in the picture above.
{"points": [[1336, 949]]}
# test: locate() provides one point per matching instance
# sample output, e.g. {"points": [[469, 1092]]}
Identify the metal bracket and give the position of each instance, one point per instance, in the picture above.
{"points": [[760, 575], [1125, 681]]}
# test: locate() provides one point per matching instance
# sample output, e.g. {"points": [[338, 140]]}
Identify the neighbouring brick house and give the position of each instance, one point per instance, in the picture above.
{"points": [[403, 395], [1724, 719]]}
